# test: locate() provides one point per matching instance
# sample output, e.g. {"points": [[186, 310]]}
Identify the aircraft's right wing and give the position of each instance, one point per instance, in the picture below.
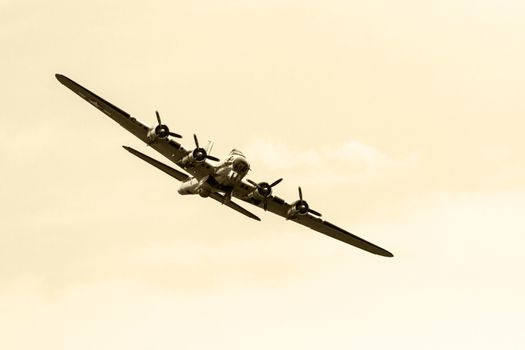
{"points": [[125, 120], [166, 146]]}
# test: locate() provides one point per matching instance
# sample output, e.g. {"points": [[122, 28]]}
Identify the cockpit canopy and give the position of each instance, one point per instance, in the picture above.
{"points": [[236, 152]]}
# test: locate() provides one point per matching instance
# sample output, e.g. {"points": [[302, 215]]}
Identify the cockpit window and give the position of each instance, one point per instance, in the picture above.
{"points": [[236, 152]]}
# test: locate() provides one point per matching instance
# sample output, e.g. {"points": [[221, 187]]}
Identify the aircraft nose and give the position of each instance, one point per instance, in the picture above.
{"points": [[240, 165]]}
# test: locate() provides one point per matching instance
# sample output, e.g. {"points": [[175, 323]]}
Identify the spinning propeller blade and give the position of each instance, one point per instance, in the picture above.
{"points": [[196, 140], [163, 129], [264, 189], [303, 202], [276, 182], [202, 150]]}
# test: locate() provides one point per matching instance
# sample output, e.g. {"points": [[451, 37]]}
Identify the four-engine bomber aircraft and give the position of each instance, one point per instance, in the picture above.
{"points": [[221, 180]]}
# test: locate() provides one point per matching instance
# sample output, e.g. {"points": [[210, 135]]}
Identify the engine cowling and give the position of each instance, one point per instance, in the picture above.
{"points": [[300, 207], [261, 191], [161, 131], [197, 156]]}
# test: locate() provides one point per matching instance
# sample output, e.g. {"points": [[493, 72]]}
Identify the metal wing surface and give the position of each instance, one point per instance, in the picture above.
{"points": [[129, 123], [279, 206], [166, 146], [333, 231]]}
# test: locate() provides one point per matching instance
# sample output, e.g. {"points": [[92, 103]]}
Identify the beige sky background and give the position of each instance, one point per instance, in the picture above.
{"points": [[401, 120]]}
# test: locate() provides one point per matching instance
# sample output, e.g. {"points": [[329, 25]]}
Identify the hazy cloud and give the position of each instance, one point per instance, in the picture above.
{"points": [[328, 164]]}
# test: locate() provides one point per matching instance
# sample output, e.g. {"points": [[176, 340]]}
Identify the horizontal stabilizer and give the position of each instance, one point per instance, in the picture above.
{"points": [[182, 177], [167, 169], [220, 198]]}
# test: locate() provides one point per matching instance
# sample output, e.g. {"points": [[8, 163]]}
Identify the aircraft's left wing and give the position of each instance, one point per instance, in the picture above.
{"points": [[278, 206], [329, 229]]}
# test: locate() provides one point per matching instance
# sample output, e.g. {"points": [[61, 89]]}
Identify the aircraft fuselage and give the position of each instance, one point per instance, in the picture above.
{"points": [[227, 174]]}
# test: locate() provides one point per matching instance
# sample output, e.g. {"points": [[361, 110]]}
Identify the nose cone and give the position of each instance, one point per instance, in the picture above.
{"points": [[241, 166]]}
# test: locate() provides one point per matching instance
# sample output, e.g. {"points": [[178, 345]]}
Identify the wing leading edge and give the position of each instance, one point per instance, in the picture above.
{"points": [[123, 118], [167, 147]]}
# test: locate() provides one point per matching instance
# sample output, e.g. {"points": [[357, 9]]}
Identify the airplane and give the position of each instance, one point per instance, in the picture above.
{"points": [[210, 177]]}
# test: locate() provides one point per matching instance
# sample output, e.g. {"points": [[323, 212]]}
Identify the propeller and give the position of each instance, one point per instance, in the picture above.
{"points": [[200, 154], [265, 189], [302, 207], [162, 130]]}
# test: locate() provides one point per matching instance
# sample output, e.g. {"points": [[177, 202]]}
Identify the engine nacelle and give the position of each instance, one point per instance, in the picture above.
{"points": [[197, 156], [160, 131], [298, 207], [194, 186], [255, 194], [151, 135], [262, 191]]}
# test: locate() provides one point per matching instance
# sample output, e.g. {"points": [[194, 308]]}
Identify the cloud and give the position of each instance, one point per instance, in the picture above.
{"points": [[328, 164]]}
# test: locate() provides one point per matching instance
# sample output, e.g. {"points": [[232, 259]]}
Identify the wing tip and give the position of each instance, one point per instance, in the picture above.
{"points": [[134, 152], [61, 78], [378, 251], [356, 241], [131, 150], [387, 254]]}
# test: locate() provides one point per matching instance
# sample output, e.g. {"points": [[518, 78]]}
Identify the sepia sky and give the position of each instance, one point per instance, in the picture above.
{"points": [[403, 122]]}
